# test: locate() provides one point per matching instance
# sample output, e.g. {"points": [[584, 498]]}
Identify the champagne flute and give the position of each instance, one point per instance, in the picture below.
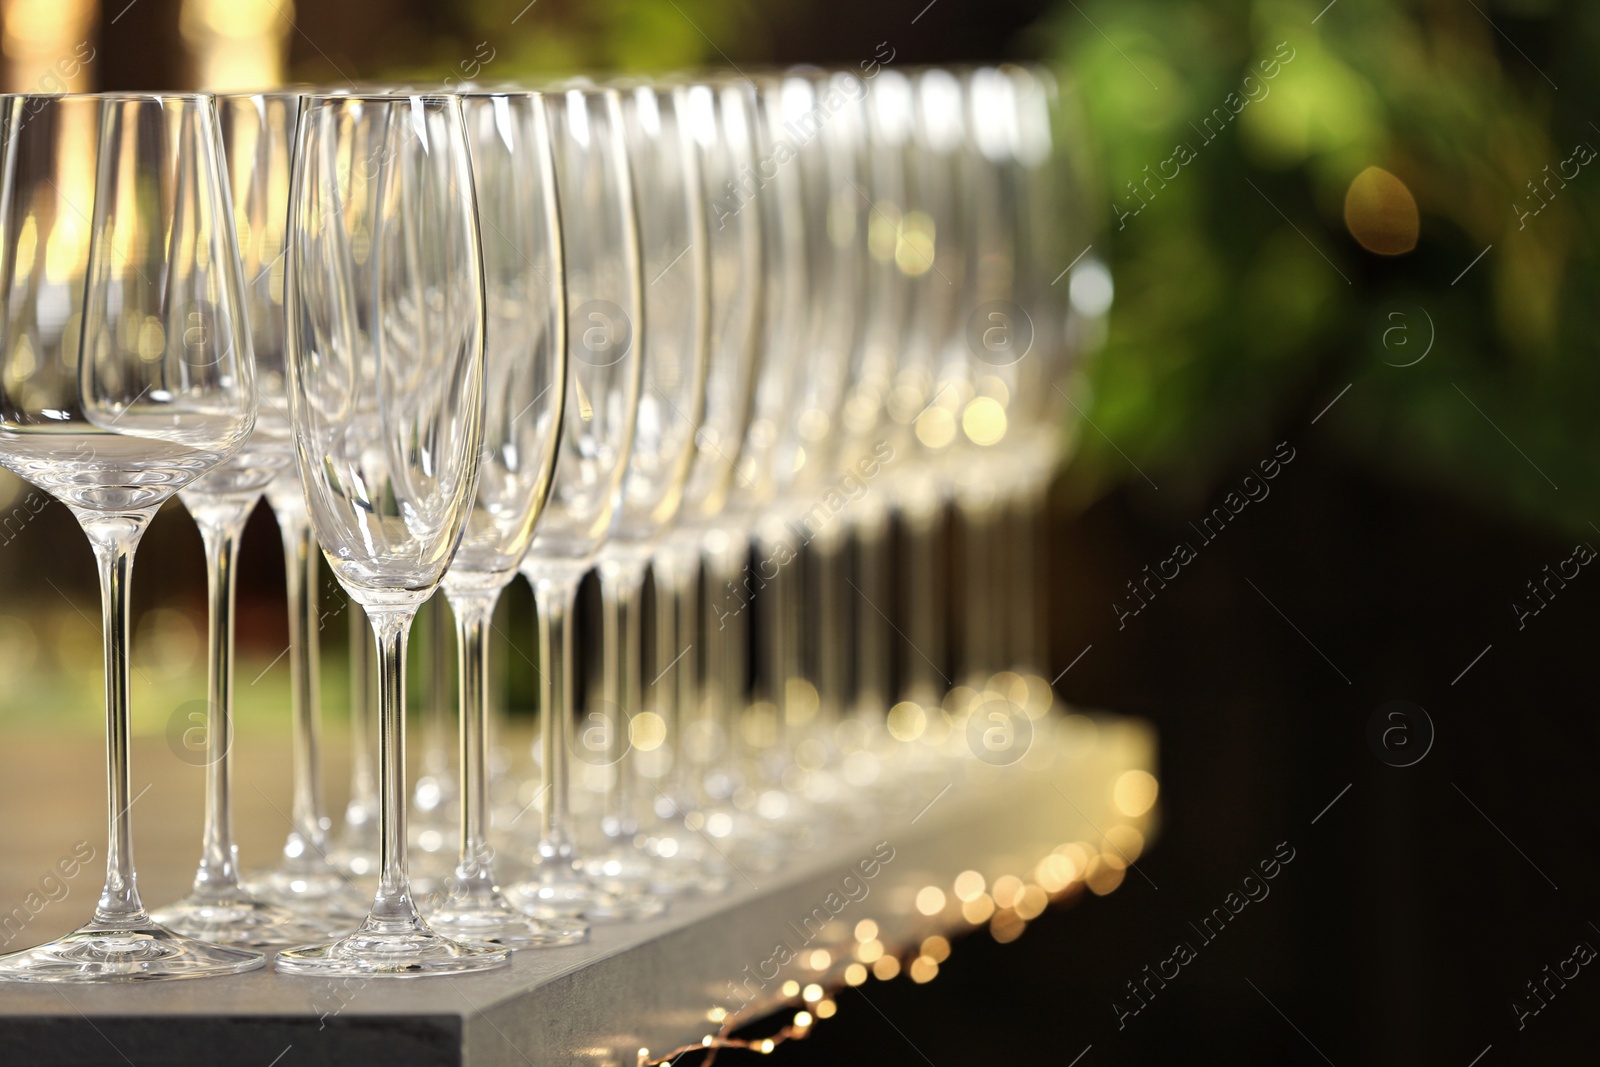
{"points": [[526, 359], [127, 375], [674, 350], [721, 117], [387, 438], [258, 139], [600, 240], [255, 132]]}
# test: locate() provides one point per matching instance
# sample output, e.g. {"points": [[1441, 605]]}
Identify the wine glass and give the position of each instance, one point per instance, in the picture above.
{"points": [[255, 132], [604, 312], [526, 359], [127, 375], [387, 436], [674, 350], [827, 112], [721, 118]]}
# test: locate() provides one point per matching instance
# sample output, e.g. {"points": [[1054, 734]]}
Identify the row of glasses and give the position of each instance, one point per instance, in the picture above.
{"points": [[629, 327]]}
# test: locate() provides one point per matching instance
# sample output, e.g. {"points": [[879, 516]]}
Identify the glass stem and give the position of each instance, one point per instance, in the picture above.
{"points": [[309, 834], [393, 902], [783, 624], [979, 658], [925, 630], [622, 652], [362, 808], [221, 524], [115, 537], [872, 630], [555, 597], [436, 760], [1029, 649], [831, 631], [676, 688], [473, 612], [727, 645]]}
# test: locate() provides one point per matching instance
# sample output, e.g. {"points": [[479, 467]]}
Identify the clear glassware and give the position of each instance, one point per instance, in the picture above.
{"points": [[829, 478], [600, 235], [388, 437], [258, 132], [675, 350], [127, 374], [306, 878], [255, 132], [526, 359], [768, 821], [699, 711], [358, 842]]}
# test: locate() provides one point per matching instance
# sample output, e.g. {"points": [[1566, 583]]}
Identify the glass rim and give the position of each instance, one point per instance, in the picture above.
{"points": [[430, 96], [142, 95]]}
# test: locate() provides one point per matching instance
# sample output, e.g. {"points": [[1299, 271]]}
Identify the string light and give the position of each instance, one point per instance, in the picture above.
{"points": [[1006, 908]]}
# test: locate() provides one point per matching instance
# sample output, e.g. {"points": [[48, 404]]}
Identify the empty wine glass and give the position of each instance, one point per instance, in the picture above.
{"points": [[700, 717], [525, 356], [387, 438], [127, 374], [600, 236], [674, 346], [255, 133]]}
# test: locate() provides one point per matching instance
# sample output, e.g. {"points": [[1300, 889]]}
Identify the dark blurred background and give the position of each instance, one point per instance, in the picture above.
{"points": [[1423, 336]]}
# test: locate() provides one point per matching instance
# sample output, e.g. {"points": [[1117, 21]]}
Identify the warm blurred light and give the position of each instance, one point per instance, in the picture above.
{"points": [[907, 721], [930, 900], [1127, 841], [866, 930], [820, 959], [923, 970], [237, 44], [984, 421], [826, 1009], [936, 948], [886, 968], [791, 988], [969, 885], [802, 1019], [1032, 902], [870, 951], [47, 45], [812, 993], [1007, 926], [978, 910], [1007, 888], [1381, 213], [646, 731], [1135, 792], [855, 974]]}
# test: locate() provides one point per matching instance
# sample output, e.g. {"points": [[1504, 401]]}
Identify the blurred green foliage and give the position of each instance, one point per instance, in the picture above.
{"points": [[1243, 302]]}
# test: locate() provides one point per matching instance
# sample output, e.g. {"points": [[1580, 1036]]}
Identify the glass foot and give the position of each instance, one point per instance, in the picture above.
{"points": [[391, 949], [239, 919], [561, 889], [140, 952], [496, 922], [320, 891]]}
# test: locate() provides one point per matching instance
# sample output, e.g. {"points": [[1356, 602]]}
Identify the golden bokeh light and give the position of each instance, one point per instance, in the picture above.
{"points": [[1135, 792], [969, 885], [1381, 213], [930, 900], [886, 968]]}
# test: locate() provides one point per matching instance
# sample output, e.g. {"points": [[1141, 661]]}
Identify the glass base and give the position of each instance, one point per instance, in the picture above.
{"points": [[496, 922], [141, 952], [239, 919], [561, 889], [322, 892], [396, 950]]}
